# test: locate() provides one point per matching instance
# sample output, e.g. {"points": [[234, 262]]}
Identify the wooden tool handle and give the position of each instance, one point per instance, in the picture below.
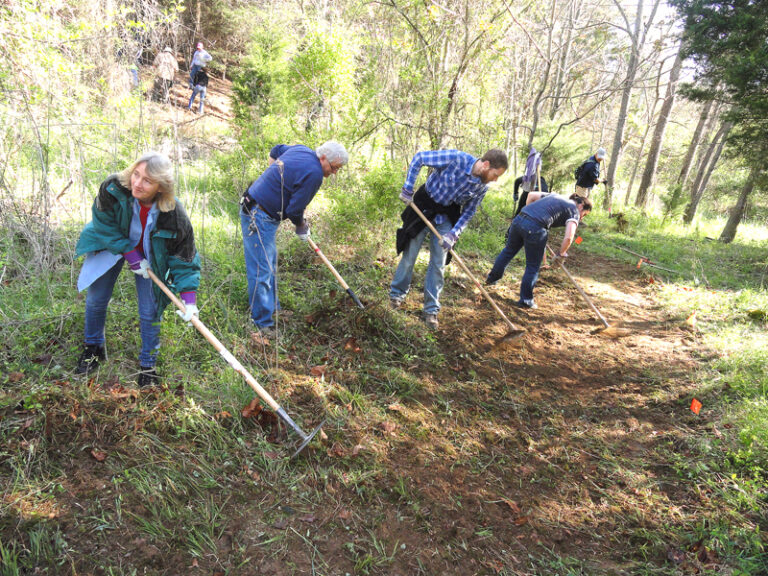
{"points": [[464, 267], [231, 360], [583, 294]]}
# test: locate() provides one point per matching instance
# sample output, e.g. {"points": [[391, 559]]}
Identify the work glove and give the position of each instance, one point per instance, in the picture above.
{"points": [[189, 299], [191, 310], [137, 263], [406, 195], [302, 231], [449, 240]]}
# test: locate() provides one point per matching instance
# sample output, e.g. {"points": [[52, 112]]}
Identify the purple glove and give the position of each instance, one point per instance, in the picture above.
{"points": [[138, 264], [302, 230], [406, 195], [449, 240]]}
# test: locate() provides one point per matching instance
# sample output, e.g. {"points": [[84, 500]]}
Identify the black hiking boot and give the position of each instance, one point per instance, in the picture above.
{"points": [[90, 358], [148, 377]]}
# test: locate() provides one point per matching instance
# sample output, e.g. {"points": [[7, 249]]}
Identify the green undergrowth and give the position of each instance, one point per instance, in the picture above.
{"points": [[179, 477]]}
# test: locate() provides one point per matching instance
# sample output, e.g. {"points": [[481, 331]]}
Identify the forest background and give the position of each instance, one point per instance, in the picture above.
{"points": [[675, 93]]}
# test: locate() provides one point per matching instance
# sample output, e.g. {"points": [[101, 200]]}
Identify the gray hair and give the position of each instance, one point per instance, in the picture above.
{"points": [[333, 152], [160, 169]]}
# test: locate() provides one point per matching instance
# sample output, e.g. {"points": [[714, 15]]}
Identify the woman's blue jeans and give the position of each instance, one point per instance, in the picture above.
{"points": [[195, 91], [259, 231], [96, 303], [523, 232], [433, 281]]}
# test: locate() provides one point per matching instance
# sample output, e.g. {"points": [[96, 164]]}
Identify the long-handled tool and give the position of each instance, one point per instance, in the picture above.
{"points": [[648, 261], [344, 285], [514, 331], [608, 330], [237, 367]]}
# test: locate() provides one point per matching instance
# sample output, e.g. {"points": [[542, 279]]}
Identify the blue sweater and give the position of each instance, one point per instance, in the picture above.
{"points": [[590, 173], [302, 177]]}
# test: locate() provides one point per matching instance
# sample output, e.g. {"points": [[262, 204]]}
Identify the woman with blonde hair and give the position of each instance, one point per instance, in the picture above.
{"points": [[137, 219]]}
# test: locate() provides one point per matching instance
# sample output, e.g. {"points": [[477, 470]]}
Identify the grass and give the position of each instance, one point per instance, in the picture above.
{"points": [[188, 482]]}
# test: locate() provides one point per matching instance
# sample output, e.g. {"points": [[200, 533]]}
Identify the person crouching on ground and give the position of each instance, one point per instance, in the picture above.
{"points": [[453, 192], [137, 219], [530, 230], [283, 191]]}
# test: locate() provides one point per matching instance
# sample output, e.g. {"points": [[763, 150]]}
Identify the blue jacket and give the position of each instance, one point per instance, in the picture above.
{"points": [[590, 173], [288, 197], [174, 257]]}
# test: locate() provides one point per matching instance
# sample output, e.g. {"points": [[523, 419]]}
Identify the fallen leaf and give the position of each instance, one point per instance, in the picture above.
{"points": [[521, 520], [336, 450], [252, 409], [388, 427], [222, 415], [99, 456], [676, 556], [344, 514], [309, 518], [318, 371], [280, 524], [310, 318], [512, 506], [356, 449], [395, 407], [15, 377], [351, 345], [194, 564]]}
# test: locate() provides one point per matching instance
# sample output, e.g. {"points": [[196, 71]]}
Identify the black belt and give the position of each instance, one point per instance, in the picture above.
{"points": [[249, 205]]}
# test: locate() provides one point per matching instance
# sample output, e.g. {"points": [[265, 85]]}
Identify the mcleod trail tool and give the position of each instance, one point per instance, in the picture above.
{"points": [[608, 330], [237, 367], [340, 280], [514, 331]]}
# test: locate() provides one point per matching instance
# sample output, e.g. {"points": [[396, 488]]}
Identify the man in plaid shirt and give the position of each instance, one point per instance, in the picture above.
{"points": [[453, 191]]}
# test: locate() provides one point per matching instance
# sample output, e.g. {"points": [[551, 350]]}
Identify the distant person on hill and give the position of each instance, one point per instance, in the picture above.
{"points": [[283, 191], [588, 174], [137, 219], [166, 67], [524, 196], [199, 61], [530, 230], [449, 199], [201, 87]]}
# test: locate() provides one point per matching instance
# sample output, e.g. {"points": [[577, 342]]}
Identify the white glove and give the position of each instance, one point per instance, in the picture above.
{"points": [[141, 268], [192, 310]]}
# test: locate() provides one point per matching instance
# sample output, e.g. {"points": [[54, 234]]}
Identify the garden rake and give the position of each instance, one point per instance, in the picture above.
{"points": [[239, 368], [340, 280], [607, 330], [514, 332]]}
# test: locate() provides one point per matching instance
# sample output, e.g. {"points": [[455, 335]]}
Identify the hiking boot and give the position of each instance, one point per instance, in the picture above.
{"points": [[431, 321], [396, 303], [525, 305], [89, 359], [489, 282], [268, 332], [148, 377]]}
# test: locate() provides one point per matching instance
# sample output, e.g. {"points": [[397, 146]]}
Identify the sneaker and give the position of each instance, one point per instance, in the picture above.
{"points": [[89, 359], [525, 305], [431, 321], [396, 303], [148, 377], [268, 332]]}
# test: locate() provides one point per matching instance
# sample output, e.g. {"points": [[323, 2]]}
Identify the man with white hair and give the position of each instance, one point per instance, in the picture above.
{"points": [[283, 191], [588, 174]]}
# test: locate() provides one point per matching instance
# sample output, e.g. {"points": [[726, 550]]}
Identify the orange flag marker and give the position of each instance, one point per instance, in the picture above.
{"points": [[639, 263], [578, 240], [695, 406]]}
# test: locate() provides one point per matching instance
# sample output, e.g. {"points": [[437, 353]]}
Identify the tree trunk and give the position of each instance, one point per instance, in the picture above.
{"points": [[682, 179], [737, 212], [705, 171], [658, 133], [638, 38], [562, 69], [545, 78]]}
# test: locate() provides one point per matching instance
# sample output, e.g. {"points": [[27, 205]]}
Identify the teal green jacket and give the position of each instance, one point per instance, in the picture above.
{"points": [[174, 257]]}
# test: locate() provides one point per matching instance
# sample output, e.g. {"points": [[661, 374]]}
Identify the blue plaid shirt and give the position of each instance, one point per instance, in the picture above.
{"points": [[451, 182]]}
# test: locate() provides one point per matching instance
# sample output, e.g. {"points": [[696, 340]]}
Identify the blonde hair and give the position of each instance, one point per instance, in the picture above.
{"points": [[159, 169]]}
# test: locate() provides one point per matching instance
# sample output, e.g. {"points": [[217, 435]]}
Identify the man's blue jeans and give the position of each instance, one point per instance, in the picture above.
{"points": [[195, 91], [433, 282], [192, 71], [523, 232], [96, 302], [259, 231]]}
